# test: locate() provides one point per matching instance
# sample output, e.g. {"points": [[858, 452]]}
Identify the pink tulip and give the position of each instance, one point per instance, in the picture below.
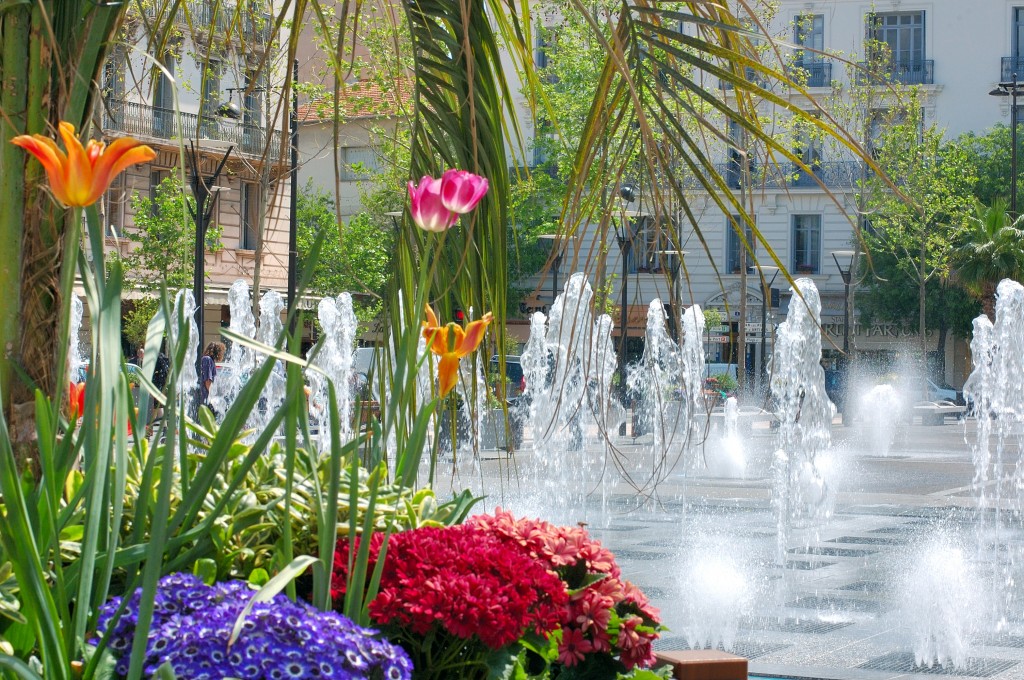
{"points": [[461, 190], [428, 211]]}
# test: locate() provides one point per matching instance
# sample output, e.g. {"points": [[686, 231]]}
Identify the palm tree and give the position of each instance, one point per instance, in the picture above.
{"points": [[992, 250]]}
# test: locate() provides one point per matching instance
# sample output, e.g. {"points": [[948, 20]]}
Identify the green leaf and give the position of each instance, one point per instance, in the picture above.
{"points": [[503, 663], [259, 577], [272, 588], [206, 569]]}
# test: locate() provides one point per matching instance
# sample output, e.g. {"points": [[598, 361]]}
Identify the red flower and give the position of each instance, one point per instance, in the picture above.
{"points": [[573, 648], [593, 612], [461, 581]]}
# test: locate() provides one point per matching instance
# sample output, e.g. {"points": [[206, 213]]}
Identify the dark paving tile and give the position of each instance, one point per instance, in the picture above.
{"points": [[748, 649], [903, 662], [806, 626], [807, 565], [868, 540], [866, 587], [641, 555], [835, 604], [826, 551]]}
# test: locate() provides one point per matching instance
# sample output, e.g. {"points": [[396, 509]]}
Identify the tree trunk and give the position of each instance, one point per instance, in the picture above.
{"points": [[51, 54], [988, 301]]}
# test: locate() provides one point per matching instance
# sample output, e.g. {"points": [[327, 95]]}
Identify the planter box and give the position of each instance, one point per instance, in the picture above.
{"points": [[703, 664], [492, 430]]}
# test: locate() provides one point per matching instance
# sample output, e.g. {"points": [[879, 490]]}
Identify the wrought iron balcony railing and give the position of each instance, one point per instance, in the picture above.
{"points": [[831, 174], [817, 73], [918, 72], [1009, 66], [256, 27], [151, 121]]}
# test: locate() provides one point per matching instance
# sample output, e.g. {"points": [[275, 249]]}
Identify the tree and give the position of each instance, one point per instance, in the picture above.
{"points": [[163, 252], [918, 220], [990, 250], [888, 294], [355, 257], [989, 154]]}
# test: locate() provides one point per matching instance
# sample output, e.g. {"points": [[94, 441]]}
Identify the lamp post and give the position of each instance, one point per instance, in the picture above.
{"points": [[204, 191], [675, 261], [556, 264], [847, 275], [766, 296], [1012, 90]]}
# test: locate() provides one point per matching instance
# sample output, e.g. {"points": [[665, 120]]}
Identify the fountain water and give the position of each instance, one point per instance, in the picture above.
{"points": [[271, 306], [719, 592], [881, 411], [801, 494], [187, 382], [240, 361], [75, 360], [336, 359]]}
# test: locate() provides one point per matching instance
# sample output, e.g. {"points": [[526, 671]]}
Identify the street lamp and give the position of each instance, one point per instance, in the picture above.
{"points": [[556, 245], [1012, 90], [675, 261], [204, 191], [846, 273], [766, 297], [624, 234]]}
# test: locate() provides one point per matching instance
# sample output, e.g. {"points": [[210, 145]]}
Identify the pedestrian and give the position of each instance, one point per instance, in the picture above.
{"points": [[208, 370], [138, 357]]}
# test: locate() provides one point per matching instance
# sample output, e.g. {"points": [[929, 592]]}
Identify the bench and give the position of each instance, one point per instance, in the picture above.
{"points": [[703, 664], [935, 412]]}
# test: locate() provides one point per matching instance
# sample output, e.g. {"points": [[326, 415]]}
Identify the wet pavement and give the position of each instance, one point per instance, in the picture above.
{"points": [[833, 610]]}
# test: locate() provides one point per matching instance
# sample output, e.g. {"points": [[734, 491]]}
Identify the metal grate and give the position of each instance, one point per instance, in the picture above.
{"points": [[908, 528], [866, 586], [903, 662], [805, 626], [807, 565], [641, 555], [1010, 641], [839, 604], [868, 540], [826, 551], [748, 649]]}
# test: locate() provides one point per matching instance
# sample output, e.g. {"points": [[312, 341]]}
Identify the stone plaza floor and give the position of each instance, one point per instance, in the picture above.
{"points": [[833, 611]]}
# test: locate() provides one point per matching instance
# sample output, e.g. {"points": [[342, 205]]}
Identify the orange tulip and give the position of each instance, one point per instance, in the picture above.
{"points": [[76, 400], [81, 176], [451, 343]]}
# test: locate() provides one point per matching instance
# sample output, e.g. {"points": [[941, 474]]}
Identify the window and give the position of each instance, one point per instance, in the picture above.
{"points": [[251, 104], [250, 216], [156, 177], [211, 98], [113, 76], [540, 57], [113, 207], [807, 244], [358, 162], [733, 245], [1018, 33], [881, 121], [810, 33], [807, 143], [163, 100], [902, 33]]}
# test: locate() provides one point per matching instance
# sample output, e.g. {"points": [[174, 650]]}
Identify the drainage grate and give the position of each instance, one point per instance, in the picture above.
{"points": [[903, 662], [640, 555], [868, 540], [807, 565], [825, 551], [1010, 641], [826, 603], [748, 649], [909, 528], [866, 587], [792, 625]]}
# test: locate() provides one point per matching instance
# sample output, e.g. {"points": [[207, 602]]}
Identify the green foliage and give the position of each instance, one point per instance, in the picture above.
{"points": [[888, 293], [990, 250], [355, 258], [989, 154], [165, 237]]}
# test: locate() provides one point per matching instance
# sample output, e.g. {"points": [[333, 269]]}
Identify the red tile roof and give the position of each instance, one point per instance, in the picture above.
{"points": [[363, 99]]}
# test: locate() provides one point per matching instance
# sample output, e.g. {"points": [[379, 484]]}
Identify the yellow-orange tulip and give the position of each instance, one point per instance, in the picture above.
{"points": [[80, 177], [452, 342]]}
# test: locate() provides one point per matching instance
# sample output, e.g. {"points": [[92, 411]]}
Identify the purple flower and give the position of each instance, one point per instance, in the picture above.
{"points": [[281, 639]]}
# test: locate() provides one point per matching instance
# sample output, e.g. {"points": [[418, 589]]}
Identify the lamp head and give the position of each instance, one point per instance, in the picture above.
{"points": [[629, 192], [229, 109]]}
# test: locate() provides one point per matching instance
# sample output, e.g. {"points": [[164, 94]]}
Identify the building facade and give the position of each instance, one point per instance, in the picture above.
{"points": [[216, 91]]}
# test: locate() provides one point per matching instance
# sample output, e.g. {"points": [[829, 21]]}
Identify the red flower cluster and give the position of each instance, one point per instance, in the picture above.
{"points": [[596, 591], [467, 581]]}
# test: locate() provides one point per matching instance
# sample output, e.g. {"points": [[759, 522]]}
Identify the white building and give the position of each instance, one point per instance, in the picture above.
{"points": [[214, 57]]}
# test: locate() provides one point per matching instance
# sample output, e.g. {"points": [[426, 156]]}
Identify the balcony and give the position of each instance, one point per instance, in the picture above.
{"points": [[832, 174], [142, 120], [257, 28], [919, 72], [1010, 66], [816, 73], [749, 74]]}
